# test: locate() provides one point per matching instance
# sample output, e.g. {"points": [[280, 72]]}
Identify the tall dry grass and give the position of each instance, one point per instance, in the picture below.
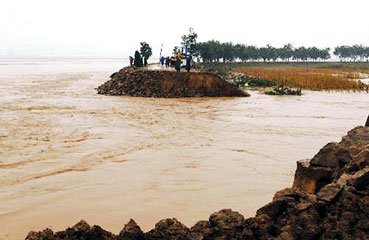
{"points": [[308, 78]]}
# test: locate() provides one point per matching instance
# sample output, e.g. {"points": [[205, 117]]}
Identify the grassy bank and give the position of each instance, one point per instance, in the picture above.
{"points": [[307, 78], [302, 75]]}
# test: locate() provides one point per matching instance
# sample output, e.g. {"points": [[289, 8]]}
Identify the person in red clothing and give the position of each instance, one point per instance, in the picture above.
{"points": [[131, 60]]}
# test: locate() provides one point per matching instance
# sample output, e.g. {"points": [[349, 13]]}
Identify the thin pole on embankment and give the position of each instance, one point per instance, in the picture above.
{"points": [[161, 50]]}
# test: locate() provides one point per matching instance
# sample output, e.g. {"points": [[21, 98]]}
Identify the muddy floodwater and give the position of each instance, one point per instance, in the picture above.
{"points": [[67, 153]]}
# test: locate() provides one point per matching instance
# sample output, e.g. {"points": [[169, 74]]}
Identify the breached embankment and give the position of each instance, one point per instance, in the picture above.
{"points": [[329, 200], [168, 84]]}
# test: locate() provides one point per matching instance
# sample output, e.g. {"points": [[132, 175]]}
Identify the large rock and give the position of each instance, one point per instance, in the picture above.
{"points": [[80, 231], [360, 180], [168, 84], [131, 231], [46, 234], [360, 161], [226, 219], [169, 229], [311, 178], [356, 139], [331, 155], [334, 159], [329, 192]]}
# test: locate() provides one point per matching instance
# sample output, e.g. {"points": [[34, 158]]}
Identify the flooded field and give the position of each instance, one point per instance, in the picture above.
{"points": [[67, 153]]}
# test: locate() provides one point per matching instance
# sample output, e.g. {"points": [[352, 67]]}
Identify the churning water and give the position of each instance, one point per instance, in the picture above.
{"points": [[67, 153]]}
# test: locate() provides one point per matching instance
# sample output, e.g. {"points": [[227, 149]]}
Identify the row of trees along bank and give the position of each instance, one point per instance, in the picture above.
{"points": [[215, 51], [352, 53]]}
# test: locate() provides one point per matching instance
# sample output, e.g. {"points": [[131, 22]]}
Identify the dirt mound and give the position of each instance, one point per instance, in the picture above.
{"points": [[168, 84], [329, 200]]}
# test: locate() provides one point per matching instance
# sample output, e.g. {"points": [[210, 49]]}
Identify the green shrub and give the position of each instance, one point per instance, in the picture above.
{"points": [[243, 80], [281, 90]]}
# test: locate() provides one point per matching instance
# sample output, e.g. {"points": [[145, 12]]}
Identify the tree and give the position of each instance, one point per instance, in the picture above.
{"points": [[325, 54], [138, 60], [343, 52], [300, 53], [217, 48], [213, 51], [286, 52], [264, 53], [359, 51], [209, 51], [228, 52], [146, 51], [205, 51], [253, 52], [366, 53], [241, 52], [272, 53], [190, 41], [314, 53]]}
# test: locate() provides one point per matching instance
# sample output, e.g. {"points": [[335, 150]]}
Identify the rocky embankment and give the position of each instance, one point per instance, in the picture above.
{"points": [[329, 200], [168, 84]]}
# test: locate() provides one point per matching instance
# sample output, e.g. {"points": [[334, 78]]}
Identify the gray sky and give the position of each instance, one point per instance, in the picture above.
{"points": [[114, 28]]}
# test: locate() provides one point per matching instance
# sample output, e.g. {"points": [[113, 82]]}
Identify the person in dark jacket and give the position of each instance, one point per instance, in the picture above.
{"points": [[188, 63], [162, 60], [178, 64]]}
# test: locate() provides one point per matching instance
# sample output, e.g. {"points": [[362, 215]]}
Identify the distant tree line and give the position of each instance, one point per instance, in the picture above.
{"points": [[352, 53], [215, 51]]}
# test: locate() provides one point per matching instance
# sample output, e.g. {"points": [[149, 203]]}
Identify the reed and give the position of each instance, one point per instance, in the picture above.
{"points": [[308, 78]]}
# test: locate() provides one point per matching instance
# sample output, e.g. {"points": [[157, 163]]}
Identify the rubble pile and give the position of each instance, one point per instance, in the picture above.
{"points": [[329, 200], [168, 84]]}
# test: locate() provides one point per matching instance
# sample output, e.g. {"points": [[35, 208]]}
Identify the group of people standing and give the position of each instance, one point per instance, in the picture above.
{"points": [[165, 61], [176, 62], [173, 61]]}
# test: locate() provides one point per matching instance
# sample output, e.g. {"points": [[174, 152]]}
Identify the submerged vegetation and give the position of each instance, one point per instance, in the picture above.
{"points": [[243, 80], [308, 78], [281, 90]]}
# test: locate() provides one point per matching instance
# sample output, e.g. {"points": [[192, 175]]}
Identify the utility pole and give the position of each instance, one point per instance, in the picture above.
{"points": [[161, 49]]}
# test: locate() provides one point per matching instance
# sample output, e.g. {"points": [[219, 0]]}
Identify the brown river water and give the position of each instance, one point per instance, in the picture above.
{"points": [[67, 153]]}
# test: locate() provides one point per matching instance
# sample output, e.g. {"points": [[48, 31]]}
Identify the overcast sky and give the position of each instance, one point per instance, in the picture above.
{"points": [[114, 28]]}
